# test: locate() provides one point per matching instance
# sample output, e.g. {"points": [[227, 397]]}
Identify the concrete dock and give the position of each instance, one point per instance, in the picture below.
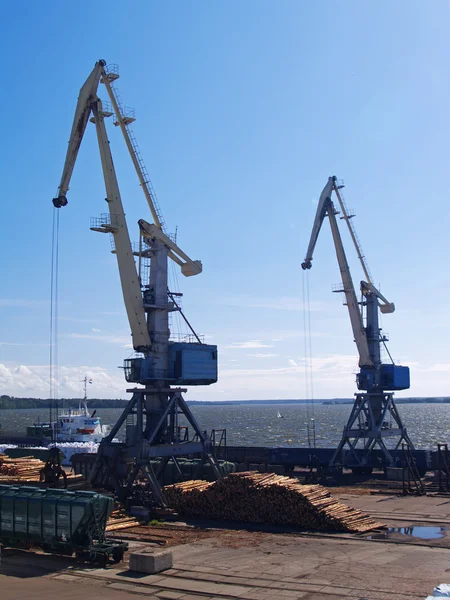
{"points": [[232, 563]]}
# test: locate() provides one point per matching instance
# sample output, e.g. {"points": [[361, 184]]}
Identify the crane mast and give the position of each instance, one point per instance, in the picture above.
{"points": [[153, 435], [326, 209], [368, 427]]}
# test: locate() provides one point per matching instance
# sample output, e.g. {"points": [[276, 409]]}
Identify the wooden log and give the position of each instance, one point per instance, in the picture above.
{"points": [[120, 526]]}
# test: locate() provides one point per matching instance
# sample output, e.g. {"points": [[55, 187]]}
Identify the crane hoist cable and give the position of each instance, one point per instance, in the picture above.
{"points": [[53, 326], [308, 371], [310, 342]]}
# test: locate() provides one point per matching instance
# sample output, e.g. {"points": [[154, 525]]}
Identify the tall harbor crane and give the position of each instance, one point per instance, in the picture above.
{"points": [[151, 418], [374, 418]]}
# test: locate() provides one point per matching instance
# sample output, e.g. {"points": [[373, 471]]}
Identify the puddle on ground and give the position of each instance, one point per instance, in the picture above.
{"points": [[424, 533]]}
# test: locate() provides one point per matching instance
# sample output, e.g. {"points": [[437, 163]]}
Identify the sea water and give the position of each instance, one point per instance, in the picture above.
{"points": [[258, 425]]}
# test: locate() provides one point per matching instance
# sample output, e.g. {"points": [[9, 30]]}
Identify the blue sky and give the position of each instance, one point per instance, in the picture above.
{"points": [[243, 111]]}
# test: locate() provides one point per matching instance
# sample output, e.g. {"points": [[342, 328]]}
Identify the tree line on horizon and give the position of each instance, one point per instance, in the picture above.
{"points": [[13, 402]]}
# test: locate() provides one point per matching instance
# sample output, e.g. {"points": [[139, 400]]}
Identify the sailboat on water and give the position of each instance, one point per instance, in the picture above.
{"points": [[279, 415]]}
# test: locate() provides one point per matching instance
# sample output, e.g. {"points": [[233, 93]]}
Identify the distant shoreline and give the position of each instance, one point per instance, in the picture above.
{"points": [[12, 403], [324, 401]]}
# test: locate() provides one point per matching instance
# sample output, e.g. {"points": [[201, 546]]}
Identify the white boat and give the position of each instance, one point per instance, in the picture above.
{"points": [[73, 431], [78, 426], [279, 415], [72, 426]]}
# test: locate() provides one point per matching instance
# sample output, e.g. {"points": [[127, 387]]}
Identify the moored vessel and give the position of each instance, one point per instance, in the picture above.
{"points": [[72, 425]]}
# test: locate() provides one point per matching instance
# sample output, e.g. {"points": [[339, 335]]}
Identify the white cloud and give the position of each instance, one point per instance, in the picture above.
{"points": [[96, 330], [33, 380], [250, 344], [327, 367], [123, 341], [333, 377], [261, 355], [336, 363]]}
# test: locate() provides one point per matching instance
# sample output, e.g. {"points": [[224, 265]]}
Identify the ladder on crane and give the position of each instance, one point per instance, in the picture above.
{"points": [[123, 120]]}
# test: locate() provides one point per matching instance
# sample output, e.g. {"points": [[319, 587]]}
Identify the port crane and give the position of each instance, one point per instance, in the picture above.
{"points": [[374, 418], [151, 418]]}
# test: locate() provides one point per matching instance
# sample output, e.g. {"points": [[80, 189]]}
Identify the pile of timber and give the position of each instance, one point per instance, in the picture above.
{"points": [[119, 520], [27, 469], [269, 499]]}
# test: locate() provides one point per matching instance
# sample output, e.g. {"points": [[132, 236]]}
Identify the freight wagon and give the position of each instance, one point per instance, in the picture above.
{"points": [[58, 521]]}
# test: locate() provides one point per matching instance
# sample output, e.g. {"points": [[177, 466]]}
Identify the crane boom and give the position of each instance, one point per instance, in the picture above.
{"points": [[131, 287], [356, 321], [87, 95], [88, 102], [326, 208], [325, 196]]}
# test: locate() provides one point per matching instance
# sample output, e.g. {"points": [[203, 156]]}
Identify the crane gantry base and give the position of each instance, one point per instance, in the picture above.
{"points": [[373, 421], [153, 438]]}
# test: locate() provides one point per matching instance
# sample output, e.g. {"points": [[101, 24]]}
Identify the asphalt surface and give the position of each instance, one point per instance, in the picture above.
{"points": [[260, 565]]}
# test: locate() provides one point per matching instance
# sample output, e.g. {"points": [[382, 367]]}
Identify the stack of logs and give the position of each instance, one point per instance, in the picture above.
{"points": [[119, 519], [27, 469], [267, 498]]}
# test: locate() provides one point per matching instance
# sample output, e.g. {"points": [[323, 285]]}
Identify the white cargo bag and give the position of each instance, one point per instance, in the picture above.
{"points": [[442, 591]]}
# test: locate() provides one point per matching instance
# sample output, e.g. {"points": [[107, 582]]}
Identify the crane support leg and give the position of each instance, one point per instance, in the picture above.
{"points": [[153, 439], [373, 421]]}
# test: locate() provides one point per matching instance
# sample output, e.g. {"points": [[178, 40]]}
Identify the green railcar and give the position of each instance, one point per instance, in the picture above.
{"points": [[58, 521]]}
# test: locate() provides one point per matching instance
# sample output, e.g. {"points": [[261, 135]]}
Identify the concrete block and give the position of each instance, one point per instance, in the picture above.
{"points": [[151, 562], [396, 474]]}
